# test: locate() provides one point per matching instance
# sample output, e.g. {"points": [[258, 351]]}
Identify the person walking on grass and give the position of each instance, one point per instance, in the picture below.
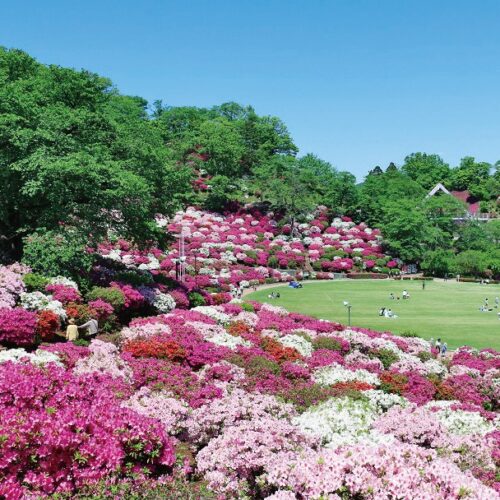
{"points": [[444, 348], [423, 284], [438, 345]]}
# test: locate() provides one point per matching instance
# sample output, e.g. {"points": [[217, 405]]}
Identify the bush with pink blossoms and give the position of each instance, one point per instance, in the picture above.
{"points": [[67, 352], [382, 472], [103, 309], [64, 293], [104, 358], [210, 420], [60, 431], [17, 326], [235, 461], [171, 412], [11, 286]]}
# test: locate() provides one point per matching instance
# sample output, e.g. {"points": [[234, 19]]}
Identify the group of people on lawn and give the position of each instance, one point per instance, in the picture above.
{"points": [[387, 312]]}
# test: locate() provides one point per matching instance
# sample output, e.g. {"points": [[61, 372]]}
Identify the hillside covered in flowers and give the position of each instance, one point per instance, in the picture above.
{"points": [[248, 246], [189, 391]]}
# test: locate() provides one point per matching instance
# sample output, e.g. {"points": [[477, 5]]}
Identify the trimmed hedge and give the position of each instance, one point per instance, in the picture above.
{"points": [[367, 276]]}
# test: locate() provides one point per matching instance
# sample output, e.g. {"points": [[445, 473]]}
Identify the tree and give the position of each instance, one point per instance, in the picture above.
{"points": [[59, 253], [281, 185], [407, 231], [442, 209], [391, 169], [470, 175], [439, 263], [426, 169], [492, 230], [74, 153], [472, 236], [222, 191], [471, 263]]}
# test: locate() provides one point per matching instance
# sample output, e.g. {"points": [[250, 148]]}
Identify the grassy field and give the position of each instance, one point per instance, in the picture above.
{"points": [[449, 310]]}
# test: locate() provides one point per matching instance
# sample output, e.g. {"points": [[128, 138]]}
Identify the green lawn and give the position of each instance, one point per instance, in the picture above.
{"points": [[449, 310]]}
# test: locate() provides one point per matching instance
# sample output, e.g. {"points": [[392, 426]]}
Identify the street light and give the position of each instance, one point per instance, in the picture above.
{"points": [[346, 304]]}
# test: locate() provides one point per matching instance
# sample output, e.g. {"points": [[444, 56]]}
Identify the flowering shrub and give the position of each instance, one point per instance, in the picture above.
{"points": [[102, 308], [157, 347], [259, 402], [61, 431], [17, 326], [63, 293], [81, 313], [226, 252], [47, 325], [11, 286]]}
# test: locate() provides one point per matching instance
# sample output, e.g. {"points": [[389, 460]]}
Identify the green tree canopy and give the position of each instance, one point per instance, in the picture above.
{"points": [[426, 169]]}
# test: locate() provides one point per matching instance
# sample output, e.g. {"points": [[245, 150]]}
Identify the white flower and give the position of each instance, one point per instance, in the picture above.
{"points": [[341, 421], [226, 340], [61, 280], [464, 422], [56, 307], [164, 302], [304, 347], [329, 375], [34, 301], [39, 357], [381, 401], [217, 315]]}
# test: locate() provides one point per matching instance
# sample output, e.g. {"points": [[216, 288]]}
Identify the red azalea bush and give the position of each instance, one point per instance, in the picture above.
{"points": [[47, 325], [393, 382], [81, 313], [156, 347], [61, 431], [17, 326], [279, 352]]}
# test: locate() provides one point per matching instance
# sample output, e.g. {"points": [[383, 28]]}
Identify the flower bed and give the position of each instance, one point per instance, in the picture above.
{"points": [[256, 401]]}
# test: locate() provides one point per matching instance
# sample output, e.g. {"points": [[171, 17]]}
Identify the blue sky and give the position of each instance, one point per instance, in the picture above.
{"points": [[358, 82]]}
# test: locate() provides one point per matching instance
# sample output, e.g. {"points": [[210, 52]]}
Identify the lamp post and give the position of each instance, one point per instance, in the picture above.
{"points": [[348, 305], [195, 253]]}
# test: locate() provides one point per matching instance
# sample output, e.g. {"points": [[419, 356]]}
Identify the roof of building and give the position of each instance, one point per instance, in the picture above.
{"points": [[471, 202], [465, 196]]}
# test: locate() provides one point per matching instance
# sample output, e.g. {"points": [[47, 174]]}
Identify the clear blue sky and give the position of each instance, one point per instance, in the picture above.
{"points": [[358, 82]]}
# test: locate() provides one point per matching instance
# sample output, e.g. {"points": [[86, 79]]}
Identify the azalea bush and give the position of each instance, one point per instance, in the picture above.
{"points": [[61, 431], [17, 326]]}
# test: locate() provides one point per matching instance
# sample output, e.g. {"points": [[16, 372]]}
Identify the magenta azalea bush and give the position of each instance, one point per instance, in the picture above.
{"points": [[61, 431], [17, 326]]}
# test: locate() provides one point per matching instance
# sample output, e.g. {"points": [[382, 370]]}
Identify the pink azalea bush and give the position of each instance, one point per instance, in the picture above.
{"points": [[60, 431], [17, 326]]}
